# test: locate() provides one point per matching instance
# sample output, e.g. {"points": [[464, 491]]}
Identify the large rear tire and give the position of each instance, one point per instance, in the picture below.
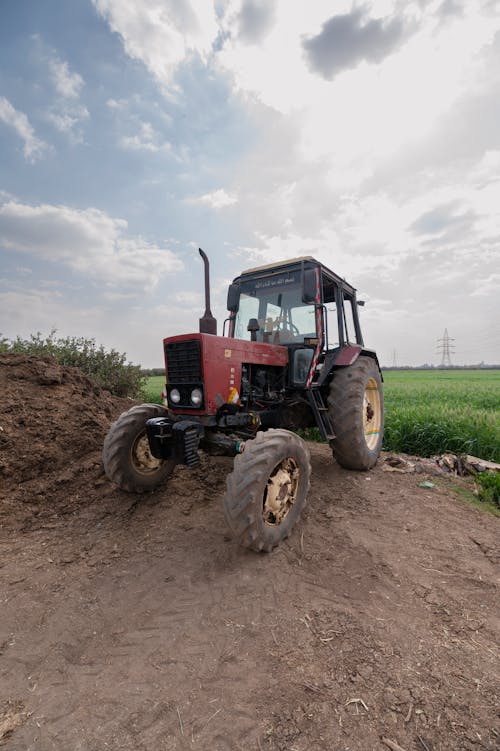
{"points": [[267, 489], [356, 410], [127, 460]]}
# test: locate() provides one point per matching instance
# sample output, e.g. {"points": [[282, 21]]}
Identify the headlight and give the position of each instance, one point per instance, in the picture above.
{"points": [[196, 397], [175, 397]]}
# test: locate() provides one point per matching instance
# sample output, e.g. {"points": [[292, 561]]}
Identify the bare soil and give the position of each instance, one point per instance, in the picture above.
{"points": [[135, 623]]}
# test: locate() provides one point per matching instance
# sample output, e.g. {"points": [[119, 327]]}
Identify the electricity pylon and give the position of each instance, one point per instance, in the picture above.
{"points": [[445, 349]]}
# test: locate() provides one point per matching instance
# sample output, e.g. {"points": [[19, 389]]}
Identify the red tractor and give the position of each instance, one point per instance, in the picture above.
{"points": [[293, 358]]}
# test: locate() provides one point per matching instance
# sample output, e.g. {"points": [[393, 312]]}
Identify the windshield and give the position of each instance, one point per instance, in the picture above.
{"points": [[276, 304]]}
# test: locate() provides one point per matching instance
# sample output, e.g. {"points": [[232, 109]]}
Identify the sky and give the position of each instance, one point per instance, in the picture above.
{"points": [[365, 134]]}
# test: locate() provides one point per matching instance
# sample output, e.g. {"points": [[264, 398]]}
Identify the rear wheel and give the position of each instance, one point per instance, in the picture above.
{"points": [[267, 489], [356, 410], [126, 456]]}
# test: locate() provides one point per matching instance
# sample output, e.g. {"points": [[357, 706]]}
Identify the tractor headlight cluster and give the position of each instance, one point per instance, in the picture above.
{"points": [[196, 397], [175, 396]]}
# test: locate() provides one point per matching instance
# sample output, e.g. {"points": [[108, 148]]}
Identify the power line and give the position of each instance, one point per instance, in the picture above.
{"points": [[446, 349]]}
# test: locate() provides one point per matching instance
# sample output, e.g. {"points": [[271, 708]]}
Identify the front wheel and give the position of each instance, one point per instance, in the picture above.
{"points": [[127, 459], [267, 489], [356, 410]]}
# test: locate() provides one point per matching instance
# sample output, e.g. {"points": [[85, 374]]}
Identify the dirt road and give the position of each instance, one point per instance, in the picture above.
{"points": [[134, 623]]}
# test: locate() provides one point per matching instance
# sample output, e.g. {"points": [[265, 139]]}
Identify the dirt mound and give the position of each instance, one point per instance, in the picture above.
{"points": [[50, 417], [135, 623], [53, 420]]}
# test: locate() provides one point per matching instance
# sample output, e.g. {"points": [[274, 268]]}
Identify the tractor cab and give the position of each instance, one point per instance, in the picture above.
{"points": [[300, 304]]}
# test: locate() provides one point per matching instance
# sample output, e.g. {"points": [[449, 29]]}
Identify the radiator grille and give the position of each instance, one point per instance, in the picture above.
{"points": [[183, 362]]}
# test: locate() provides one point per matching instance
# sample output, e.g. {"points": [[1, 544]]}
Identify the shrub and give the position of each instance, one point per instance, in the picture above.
{"points": [[108, 369], [489, 487]]}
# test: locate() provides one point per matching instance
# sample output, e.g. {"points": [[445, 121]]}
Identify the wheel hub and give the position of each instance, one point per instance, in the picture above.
{"points": [[142, 458], [281, 491]]}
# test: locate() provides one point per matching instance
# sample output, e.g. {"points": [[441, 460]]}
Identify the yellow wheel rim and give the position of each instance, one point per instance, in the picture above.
{"points": [[142, 458], [372, 413], [281, 491]]}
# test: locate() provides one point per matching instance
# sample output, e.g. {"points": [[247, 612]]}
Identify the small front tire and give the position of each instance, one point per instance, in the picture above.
{"points": [[267, 489], [126, 456]]}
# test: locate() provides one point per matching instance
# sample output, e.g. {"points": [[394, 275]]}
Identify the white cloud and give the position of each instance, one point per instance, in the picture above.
{"points": [[89, 242], [218, 199], [162, 33], [189, 299], [68, 84], [117, 104], [34, 147], [146, 140], [367, 112], [66, 120]]}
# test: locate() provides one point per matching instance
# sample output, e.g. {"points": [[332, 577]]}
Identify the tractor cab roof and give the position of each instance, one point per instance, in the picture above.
{"points": [[302, 262]]}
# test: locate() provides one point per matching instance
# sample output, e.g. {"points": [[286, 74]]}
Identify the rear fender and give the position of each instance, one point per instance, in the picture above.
{"points": [[343, 357]]}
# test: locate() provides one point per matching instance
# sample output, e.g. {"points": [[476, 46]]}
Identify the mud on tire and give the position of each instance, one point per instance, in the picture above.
{"points": [[127, 459], [356, 409], [267, 490]]}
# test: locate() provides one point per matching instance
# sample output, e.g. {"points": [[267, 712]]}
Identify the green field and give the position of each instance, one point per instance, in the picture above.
{"points": [[154, 387], [430, 412]]}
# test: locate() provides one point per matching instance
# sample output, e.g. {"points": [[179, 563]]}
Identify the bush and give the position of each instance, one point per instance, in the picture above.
{"points": [[489, 487], [108, 369]]}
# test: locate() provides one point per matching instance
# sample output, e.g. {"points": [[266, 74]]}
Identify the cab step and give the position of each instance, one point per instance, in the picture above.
{"points": [[320, 412]]}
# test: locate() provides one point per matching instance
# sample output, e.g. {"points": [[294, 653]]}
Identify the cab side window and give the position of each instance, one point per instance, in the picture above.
{"points": [[349, 327], [330, 297]]}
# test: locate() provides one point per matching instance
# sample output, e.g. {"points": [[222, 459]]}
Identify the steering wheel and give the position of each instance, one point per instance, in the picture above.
{"points": [[283, 325]]}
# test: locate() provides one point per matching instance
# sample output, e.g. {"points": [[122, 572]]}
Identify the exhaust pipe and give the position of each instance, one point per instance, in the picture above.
{"points": [[208, 324]]}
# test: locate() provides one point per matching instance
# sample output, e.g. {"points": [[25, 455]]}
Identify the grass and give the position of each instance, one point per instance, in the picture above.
{"points": [[469, 497], [153, 388], [430, 412], [488, 484], [433, 412]]}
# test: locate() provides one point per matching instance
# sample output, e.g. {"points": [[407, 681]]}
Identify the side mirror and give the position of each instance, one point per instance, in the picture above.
{"points": [[309, 286], [233, 298]]}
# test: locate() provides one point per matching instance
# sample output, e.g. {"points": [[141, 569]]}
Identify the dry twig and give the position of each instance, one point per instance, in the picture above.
{"points": [[392, 745], [424, 744], [180, 721], [410, 710], [211, 717], [356, 702]]}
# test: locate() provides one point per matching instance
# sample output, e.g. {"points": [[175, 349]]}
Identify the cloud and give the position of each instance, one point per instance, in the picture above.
{"points": [[346, 40], [117, 104], [89, 242], [450, 8], [66, 119], [255, 20], [189, 299], [146, 140], [67, 83], [34, 147], [162, 33], [218, 199], [440, 219]]}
